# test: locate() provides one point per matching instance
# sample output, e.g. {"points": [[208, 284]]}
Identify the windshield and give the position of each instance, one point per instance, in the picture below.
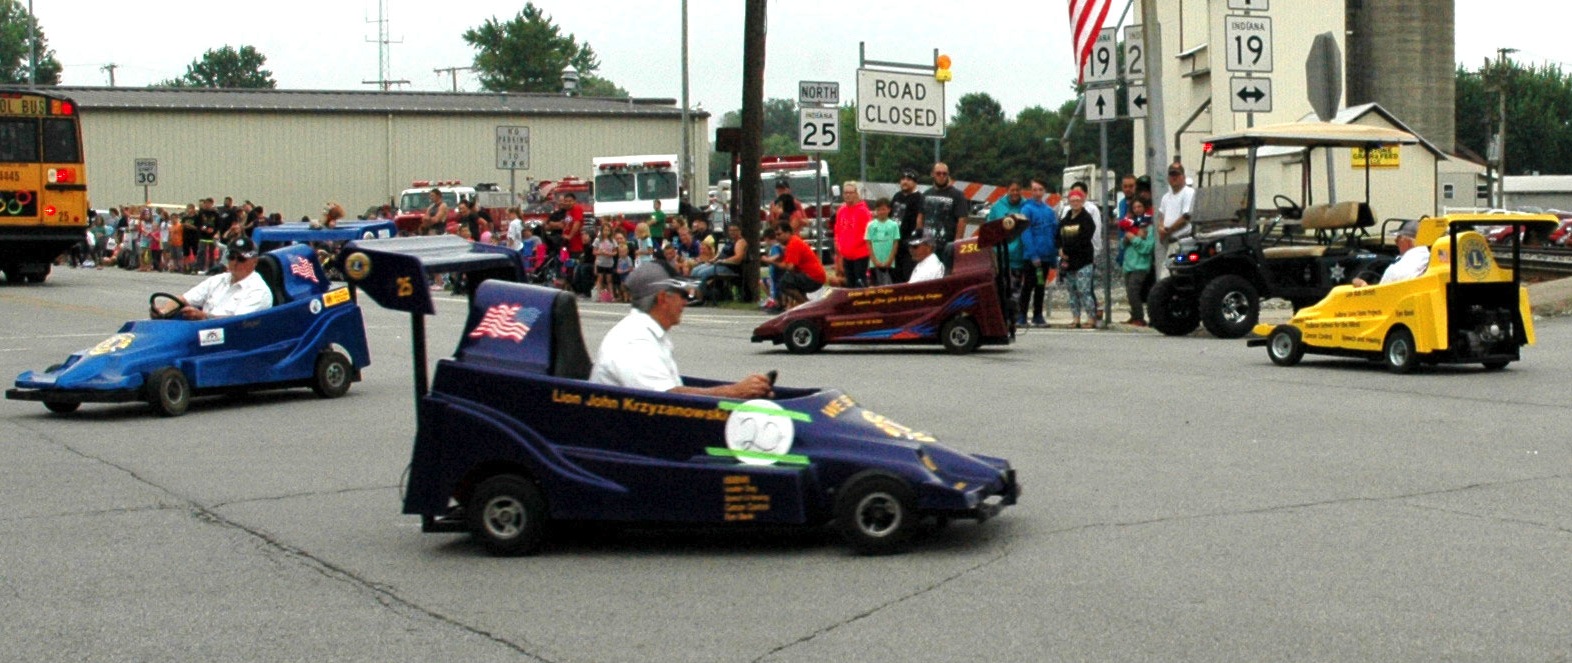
{"points": [[801, 189], [612, 188], [653, 186], [418, 201]]}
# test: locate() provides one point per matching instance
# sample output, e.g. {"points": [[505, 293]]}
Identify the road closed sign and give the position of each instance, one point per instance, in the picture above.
{"points": [[900, 104]]}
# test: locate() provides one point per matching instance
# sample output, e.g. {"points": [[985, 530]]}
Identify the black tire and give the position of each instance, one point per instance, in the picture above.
{"points": [[168, 392], [1285, 346], [507, 514], [960, 335], [1172, 313], [62, 407], [1399, 352], [1496, 365], [333, 375], [803, 337], [876, 514], [1229, 306]]}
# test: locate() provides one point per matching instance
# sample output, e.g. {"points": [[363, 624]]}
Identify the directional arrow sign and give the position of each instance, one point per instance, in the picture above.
{"points": [[1135, 96], [1250, 95], [1101, 105]]}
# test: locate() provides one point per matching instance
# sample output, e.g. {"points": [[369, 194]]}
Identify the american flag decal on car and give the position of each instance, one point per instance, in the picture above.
{"points": [[505, 321], [302, 268]]}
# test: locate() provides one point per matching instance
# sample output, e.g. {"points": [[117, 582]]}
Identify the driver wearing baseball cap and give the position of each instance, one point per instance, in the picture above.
{"points": [[238, 291], [637, 352]]}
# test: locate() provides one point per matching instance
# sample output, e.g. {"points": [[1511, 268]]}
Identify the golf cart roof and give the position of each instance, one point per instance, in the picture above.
{"points": [[1312, 134], [395, 272]]}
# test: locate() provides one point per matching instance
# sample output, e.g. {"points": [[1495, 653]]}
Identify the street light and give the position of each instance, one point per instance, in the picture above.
{"points": [[570, 80]]}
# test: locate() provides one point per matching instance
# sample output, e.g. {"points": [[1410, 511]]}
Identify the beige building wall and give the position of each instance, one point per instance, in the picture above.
{"points": [[294, 163], [1195, 69]]}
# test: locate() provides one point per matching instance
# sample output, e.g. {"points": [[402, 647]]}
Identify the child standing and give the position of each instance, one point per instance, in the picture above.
{"points": [[882, 234], [624, 268], [1137, 246], [605, 262]]}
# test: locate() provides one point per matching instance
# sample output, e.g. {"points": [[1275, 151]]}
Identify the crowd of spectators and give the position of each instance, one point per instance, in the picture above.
{"points": [[166, 238]]}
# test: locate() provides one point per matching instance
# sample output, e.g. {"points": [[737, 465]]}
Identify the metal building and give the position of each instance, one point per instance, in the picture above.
{"points": [[1402, 55], [292, 151]]}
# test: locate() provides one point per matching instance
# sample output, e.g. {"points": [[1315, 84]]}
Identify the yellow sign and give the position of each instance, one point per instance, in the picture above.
{"points": [[335, 297], [1381, 157], [23, 104]]}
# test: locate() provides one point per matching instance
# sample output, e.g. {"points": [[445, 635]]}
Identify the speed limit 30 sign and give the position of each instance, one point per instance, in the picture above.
{"points": [[819, 130], [147, 172]]}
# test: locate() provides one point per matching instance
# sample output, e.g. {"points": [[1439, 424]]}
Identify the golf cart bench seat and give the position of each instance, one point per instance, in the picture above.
{"points": [[525, 328], [1338, 216], [1287, 252]]}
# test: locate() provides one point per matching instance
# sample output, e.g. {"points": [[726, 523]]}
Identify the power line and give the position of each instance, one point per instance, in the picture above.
{"points": [[110, 68], [452, 71]]}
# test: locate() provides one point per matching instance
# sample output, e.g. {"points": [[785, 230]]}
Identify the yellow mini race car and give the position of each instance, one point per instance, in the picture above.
{"points": [[1466, 308]]}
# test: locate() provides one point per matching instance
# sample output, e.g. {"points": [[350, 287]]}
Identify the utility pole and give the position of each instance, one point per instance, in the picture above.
{"points": [[1502, 73], [453, 72], [746, 189], [686, 162], [32, 45], [382, 41], [111, 67]]}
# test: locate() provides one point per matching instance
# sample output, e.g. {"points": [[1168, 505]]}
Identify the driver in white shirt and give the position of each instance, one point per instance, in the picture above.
{"points": [[1412, 259], [928, 266], [238, 291]]}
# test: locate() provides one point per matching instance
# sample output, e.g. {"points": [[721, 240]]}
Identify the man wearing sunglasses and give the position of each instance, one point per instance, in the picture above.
{"points": [[238, 291], [637, 352], [944, 212]]}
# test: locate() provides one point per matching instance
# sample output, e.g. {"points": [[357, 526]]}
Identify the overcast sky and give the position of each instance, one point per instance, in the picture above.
{"points": [[1015, 51]]}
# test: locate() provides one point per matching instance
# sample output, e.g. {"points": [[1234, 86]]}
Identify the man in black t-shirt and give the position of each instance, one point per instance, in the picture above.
{"points": [[906, 208], [944, 211]]}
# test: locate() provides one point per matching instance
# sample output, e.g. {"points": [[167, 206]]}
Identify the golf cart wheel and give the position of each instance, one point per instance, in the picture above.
{"points": [[1284, 346], [876, 514], [1399, 352], [168, 392], [62, 407], [1172, 313], [507, 514], [960, 335], [1230, 306], [1496, 365], [333, 375], [803, 337]]}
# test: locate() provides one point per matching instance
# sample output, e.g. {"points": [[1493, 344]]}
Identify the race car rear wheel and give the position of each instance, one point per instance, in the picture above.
{"points": [[876, 514], [803, 337], [1172, 313], [1398, 351], [333, 375], [960, 335], [507, 513], [1229, 306], [1284, 346], [168, 392], [62, 407]]}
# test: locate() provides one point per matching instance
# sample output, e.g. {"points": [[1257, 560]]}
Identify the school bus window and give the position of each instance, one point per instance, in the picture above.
{"points": [[60, 142], [19, 141]]}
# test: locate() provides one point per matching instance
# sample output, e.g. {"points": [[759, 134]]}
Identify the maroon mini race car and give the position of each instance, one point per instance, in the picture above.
{"points": [[963, 310]]}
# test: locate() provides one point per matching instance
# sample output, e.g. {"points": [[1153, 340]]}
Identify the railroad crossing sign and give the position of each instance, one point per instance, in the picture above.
{"points": [[1247, 43], [1250, 95], [1135, 101], [1102, 66], [1134, 54], [147, 172], [1249, 5], [1101, 104], [819, 129], [512, 148]]}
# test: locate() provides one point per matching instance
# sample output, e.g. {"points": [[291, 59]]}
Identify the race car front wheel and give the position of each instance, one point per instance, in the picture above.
{"points": [[876, 514], [168, 392], [333, 375], [1284, 346], [508, 514], [803, 337]]}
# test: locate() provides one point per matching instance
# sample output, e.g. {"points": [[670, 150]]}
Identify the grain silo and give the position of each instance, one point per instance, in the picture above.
{"points": [[1401, 55]]}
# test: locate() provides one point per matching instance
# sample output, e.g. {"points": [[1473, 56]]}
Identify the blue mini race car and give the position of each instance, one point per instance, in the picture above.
{"points": [[511, 434], [312, 336]]}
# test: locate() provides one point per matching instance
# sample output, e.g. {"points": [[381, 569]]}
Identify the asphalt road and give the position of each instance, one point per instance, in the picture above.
{"points": [[1185, 500]]}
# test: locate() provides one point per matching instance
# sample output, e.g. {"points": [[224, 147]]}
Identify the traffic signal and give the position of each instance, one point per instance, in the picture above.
{"points": [[941, 69]]}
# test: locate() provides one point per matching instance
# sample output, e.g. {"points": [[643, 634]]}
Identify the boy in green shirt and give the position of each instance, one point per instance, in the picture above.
{"points": [[657, 227], [883, 233], [1138, 246]]}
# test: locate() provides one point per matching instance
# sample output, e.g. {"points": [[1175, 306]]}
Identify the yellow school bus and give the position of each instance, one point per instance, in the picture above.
{"points": [[43, 182]]}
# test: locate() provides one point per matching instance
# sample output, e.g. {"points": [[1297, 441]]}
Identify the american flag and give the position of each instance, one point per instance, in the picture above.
{"points": [[1086, 20], [505, 321], [302, 268]]}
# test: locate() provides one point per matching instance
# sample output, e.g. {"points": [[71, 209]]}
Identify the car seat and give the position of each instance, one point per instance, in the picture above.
{"points": [[511, 337], [273, 274]]}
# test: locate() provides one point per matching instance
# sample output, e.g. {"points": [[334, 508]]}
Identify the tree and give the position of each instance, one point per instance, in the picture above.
{"points": [[14, 25], [1538, 101], [226, 67], [528, 54]]}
